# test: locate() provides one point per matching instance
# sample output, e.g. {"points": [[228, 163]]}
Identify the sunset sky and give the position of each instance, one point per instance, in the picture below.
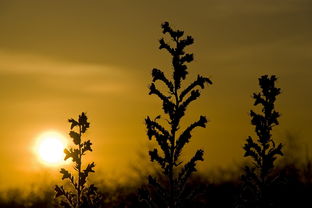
{"points": [[61, 58]]}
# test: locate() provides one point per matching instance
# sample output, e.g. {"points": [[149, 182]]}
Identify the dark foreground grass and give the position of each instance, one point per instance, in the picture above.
{"points": [[294, 191]]}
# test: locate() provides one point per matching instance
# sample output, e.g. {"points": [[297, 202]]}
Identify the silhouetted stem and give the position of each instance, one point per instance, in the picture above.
{"points": [[174, 128], [79, 171], [169, 141], [70, 202]]}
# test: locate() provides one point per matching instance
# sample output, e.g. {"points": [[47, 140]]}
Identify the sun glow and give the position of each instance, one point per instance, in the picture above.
{"points": [[50, 148]]}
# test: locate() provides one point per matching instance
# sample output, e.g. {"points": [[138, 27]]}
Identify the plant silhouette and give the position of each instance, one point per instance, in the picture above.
{"points": [[80, 195], [171, 140], [258, 179]]}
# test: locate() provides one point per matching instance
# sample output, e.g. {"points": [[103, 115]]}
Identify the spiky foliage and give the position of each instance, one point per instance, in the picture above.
{"points": [[258, 178], [81, 194], [171, 140]]}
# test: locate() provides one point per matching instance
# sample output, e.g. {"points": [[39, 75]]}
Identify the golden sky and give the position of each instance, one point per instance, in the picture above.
{"points": [[60, 58]]}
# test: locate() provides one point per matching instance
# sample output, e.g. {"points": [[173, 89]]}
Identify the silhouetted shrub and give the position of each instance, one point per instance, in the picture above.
{"points": [[81, 195], [171, 140], [259, 178]]}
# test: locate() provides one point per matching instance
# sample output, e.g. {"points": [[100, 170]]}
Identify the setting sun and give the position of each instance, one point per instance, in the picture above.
{"points": [[50, 148]]}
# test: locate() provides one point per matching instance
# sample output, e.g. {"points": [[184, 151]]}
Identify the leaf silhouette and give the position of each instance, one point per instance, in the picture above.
{"points": [[75, 136]]}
